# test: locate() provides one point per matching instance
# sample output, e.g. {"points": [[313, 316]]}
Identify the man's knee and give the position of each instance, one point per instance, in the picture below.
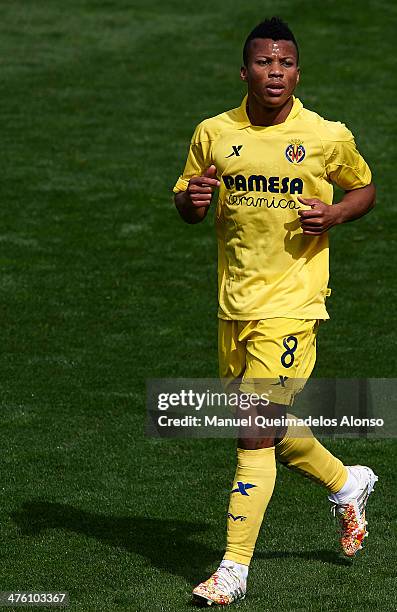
{"points": [[265, 426]]}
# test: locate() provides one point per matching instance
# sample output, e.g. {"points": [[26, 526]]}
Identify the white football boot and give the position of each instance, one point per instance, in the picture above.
{"points": [[224, 587], [351, 511]]}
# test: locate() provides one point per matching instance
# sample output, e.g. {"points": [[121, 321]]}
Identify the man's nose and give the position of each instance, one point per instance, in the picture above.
{"points": [[276, 70]]}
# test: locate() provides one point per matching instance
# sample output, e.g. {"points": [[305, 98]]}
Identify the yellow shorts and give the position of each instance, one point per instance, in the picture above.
{"points": [[273, 354]]}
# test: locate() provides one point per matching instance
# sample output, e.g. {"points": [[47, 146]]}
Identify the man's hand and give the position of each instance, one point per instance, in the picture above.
{"points": [[322, 217], [193, 203], [319, 219], [201, 188]]}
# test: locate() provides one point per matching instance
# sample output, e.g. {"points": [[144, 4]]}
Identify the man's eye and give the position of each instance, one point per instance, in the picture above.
{"points": [[263, 62]]}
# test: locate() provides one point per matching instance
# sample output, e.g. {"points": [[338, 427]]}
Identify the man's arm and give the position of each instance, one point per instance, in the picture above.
{"points": [[322, 217], [193, 203]]}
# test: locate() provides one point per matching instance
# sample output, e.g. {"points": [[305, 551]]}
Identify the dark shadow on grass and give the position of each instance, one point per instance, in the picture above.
{"points": [[169, 545]]}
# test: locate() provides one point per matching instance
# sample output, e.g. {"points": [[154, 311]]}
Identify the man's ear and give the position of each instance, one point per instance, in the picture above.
{"points": [[298, 76], [243, 73]]}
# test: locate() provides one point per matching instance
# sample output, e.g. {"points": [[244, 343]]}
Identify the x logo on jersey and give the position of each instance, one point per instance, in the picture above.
{"points": [[242, 487], [236, 149]]}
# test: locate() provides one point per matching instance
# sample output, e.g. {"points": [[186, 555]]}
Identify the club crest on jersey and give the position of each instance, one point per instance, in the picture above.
{"points": [[295, 152]]}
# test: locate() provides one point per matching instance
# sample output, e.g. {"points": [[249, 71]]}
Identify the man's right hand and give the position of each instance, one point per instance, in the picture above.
{"points": [[193, 204], [200, 188]]}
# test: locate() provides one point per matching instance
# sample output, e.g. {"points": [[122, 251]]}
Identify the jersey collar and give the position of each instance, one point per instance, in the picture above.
{"points": [[243, 119]]}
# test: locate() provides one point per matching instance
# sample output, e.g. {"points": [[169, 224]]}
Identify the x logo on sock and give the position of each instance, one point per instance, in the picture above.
{"points": [[242, 487]]}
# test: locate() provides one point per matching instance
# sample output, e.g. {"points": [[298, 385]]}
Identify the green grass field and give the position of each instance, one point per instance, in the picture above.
{"points": [[102, 286]]}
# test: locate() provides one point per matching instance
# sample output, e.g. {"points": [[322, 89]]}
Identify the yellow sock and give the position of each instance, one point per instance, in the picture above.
{"points": [[252, 489], [307, 456]]}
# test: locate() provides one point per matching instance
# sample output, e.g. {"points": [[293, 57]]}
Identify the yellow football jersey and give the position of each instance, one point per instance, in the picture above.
{"points": [[266, 266]]}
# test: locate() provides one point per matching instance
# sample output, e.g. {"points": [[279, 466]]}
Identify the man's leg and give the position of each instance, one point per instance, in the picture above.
{"points": [[253, 482], [300, 451], [349, 486], [292, 361], [251, 492]]}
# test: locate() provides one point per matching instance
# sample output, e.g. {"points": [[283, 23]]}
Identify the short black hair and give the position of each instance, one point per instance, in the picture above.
{"points": [[274, 28]]}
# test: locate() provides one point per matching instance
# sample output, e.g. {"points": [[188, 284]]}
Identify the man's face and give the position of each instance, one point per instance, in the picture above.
{"points": [[272, 72]]}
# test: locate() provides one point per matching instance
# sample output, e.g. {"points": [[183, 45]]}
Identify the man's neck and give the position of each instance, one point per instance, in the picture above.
{"points": [[264, 116]]}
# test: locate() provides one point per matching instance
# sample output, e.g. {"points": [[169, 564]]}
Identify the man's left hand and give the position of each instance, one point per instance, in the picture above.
{"points": [[319, 219]]}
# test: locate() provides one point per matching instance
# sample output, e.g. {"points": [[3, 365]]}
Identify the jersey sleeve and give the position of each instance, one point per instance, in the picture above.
{"points": [[344, 165], [198, 159]]}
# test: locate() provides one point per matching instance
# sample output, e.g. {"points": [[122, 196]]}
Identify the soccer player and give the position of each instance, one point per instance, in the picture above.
{"points": [[274, 163]]}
